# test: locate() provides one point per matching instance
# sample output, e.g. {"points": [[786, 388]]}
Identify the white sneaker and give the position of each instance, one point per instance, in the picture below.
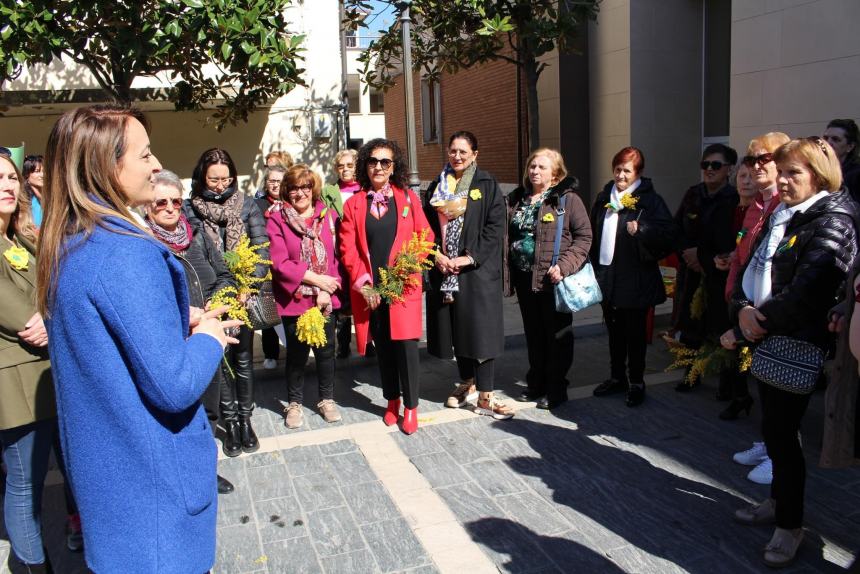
{"points": [[763, 473], [753, 456], [270, 364]]}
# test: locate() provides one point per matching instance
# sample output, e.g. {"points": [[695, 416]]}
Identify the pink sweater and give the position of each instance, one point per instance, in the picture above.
{"points": [[287, 267]]}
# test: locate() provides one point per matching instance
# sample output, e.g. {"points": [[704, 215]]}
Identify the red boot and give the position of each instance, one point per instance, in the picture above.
{"points": [[391, 413], [410, 420]]}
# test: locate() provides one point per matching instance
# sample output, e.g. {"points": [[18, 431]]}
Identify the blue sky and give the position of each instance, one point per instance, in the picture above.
{"points": [[382, 17]]}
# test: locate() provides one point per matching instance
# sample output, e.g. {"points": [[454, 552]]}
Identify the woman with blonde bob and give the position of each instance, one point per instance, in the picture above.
{"points": [[796, 268], [547, 190], [130, 364]]}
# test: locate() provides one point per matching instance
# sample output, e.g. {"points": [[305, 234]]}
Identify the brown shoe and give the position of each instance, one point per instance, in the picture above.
{"points": [[755, 514], [464, 393], [328, 410], [782, 548], [294, 418], [490, 407]]}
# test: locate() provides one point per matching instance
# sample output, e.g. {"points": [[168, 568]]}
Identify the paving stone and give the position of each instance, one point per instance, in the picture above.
{"points": [[333, 531], [350, 468], [508, 546], [494, 477], [394, 545], [304, 460], [369, 502], [420, 570], [417, 444], [469, 503], [264, 459], [266, 482], [317, 492], [358, 562], [439, 469], [567, 551], [338, 447], [238, 549], [279, 519], [533, 512], [295, 556], [235, 508]]}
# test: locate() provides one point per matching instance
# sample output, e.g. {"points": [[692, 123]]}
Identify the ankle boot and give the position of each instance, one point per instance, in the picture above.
{"points": [[248, 436], [232, 440], [392, 413], [410, 420]]}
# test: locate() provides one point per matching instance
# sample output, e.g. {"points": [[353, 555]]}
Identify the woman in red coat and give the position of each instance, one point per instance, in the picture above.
{"points": [[377, 221]]}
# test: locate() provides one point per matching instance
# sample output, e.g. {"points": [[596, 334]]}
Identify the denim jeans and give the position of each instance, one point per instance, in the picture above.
{"points": [[25, 452]]}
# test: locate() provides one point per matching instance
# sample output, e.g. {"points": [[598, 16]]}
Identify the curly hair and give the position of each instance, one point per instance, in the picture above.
{"points": [[398, 176]]}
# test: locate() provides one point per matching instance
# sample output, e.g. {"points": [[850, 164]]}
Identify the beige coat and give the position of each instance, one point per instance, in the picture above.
{"points": [[26, 388]]}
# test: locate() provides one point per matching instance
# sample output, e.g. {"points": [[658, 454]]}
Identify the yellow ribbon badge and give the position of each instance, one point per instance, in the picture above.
{"points": [[17, 257], [548, 218], [475, 194]]}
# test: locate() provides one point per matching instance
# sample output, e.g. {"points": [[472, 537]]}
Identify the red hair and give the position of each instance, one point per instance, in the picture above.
{"points": [[631, 154]]}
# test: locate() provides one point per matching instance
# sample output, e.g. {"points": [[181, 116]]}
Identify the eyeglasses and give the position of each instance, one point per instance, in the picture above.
{"points": [[458, 152], [274, 182], [712, 165], [752, 160], [162, 203], [217, 180], [384, 163], [299, 190]]}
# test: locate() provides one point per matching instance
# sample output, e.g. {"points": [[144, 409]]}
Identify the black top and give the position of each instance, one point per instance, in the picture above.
{"points": [[380, 236]]}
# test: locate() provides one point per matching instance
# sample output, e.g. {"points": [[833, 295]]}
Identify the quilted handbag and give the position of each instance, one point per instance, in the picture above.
{"points": [[578, 290], [788, 364], [261, 307]]}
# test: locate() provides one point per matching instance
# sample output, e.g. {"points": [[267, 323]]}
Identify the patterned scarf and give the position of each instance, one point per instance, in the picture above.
{"points": [[274, 206], [216, 215], [177, 240], [379, 203], [312, 249], [451, 208]]}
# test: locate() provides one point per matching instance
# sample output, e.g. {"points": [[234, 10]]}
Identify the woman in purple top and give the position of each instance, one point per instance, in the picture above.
{"points": [[305, 273]]}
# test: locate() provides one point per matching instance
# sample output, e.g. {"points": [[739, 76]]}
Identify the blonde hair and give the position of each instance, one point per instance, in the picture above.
{"points": [[559, 171], [22, 218], [300, 175], [769, 141], [82, 187], [818, 156], [282, 157]]}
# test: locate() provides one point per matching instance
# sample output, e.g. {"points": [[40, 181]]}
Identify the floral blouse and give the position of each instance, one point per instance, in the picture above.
{"points": [[522, 234]]}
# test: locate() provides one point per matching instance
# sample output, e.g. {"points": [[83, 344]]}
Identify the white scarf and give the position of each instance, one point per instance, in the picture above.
{"points": [[610, 223], [757, 282]]}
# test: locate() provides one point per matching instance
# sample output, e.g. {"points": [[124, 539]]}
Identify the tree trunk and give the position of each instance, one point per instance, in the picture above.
{"points": [[530, 68]]}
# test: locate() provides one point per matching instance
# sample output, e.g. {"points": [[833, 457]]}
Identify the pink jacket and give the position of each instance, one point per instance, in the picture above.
{"points": [[287, 267], [754, 220]]}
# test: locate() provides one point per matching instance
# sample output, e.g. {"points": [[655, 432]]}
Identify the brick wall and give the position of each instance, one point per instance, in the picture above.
{"points": [[481, 99]]}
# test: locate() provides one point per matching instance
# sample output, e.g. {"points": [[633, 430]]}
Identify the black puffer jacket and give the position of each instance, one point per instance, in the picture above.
{"points": [[255, 223], [205, 270], [633, 280], [807, 276]]}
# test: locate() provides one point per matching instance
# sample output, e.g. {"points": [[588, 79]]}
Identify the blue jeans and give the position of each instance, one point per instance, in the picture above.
{"points": [[25, 452]]}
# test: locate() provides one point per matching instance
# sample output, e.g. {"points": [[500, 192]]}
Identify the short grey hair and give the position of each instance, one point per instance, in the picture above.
{"points": [[275, 169], [167, 177]]}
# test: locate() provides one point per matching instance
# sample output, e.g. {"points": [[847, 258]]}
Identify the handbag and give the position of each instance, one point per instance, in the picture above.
{"points": [[262, 311], [787, 364], [578, 290]]}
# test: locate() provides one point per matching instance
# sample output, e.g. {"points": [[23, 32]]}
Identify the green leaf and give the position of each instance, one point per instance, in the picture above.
{"points": [[226, 50]]}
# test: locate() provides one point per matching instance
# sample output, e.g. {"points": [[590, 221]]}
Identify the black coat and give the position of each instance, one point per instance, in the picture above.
{"points": [[633, 280], [205, 270], [806, 277], [255, 225], [480, 332]]}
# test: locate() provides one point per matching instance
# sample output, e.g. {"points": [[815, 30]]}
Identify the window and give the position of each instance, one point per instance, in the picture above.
{"points": [[716, 70], [353, 94], [431, 111], [377, 101]]}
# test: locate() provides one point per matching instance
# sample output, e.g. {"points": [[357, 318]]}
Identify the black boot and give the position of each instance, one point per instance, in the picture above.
{"points": [[736, 407], [635, 394], [232, 440], [248, 436], [17, 566], [224, 485]]}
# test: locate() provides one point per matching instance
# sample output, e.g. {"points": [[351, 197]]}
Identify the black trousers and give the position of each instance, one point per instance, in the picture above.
{"points": [[781, 415], [482, 372], [237, 394], [344, 331], [398, 360], [297, 359], [271, 344], [627, 343], [549, 339], [211, 398]]}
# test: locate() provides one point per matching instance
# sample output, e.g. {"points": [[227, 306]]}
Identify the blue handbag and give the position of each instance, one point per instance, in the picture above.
{"points": [[578, 290]]}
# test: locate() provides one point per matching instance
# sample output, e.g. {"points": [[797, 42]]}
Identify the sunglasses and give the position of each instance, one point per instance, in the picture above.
{"points": [[383, 163], [752, 160], [162, 203], [712, 165]]}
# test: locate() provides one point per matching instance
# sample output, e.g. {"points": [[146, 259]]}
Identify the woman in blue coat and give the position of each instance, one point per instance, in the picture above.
{"points": [[129, 368]]}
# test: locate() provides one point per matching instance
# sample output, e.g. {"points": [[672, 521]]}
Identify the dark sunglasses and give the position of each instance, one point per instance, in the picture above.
{"points": [[713, 165], [383, 163], [752, 160], [162, 203]]}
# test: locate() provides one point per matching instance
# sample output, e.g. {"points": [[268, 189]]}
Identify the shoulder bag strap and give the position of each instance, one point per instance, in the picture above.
{"points": [[559, 226]]}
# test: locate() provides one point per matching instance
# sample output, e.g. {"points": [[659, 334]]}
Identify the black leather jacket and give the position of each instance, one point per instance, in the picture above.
{"points": [[807, 276], [205, 270]]}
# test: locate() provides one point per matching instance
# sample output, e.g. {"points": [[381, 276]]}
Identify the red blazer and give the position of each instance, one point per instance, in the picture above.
{"points": [[406, 315]]}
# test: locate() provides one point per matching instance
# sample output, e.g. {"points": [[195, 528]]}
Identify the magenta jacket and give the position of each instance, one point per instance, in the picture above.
{"points": [[287, 266]]}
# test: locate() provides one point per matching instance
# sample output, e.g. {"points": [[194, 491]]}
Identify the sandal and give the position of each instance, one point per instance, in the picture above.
{"points": [[490, 407]]}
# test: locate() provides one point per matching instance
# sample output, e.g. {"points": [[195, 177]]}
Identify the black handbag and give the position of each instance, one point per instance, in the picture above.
{"points": [[262, 311], [787, 364]]}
